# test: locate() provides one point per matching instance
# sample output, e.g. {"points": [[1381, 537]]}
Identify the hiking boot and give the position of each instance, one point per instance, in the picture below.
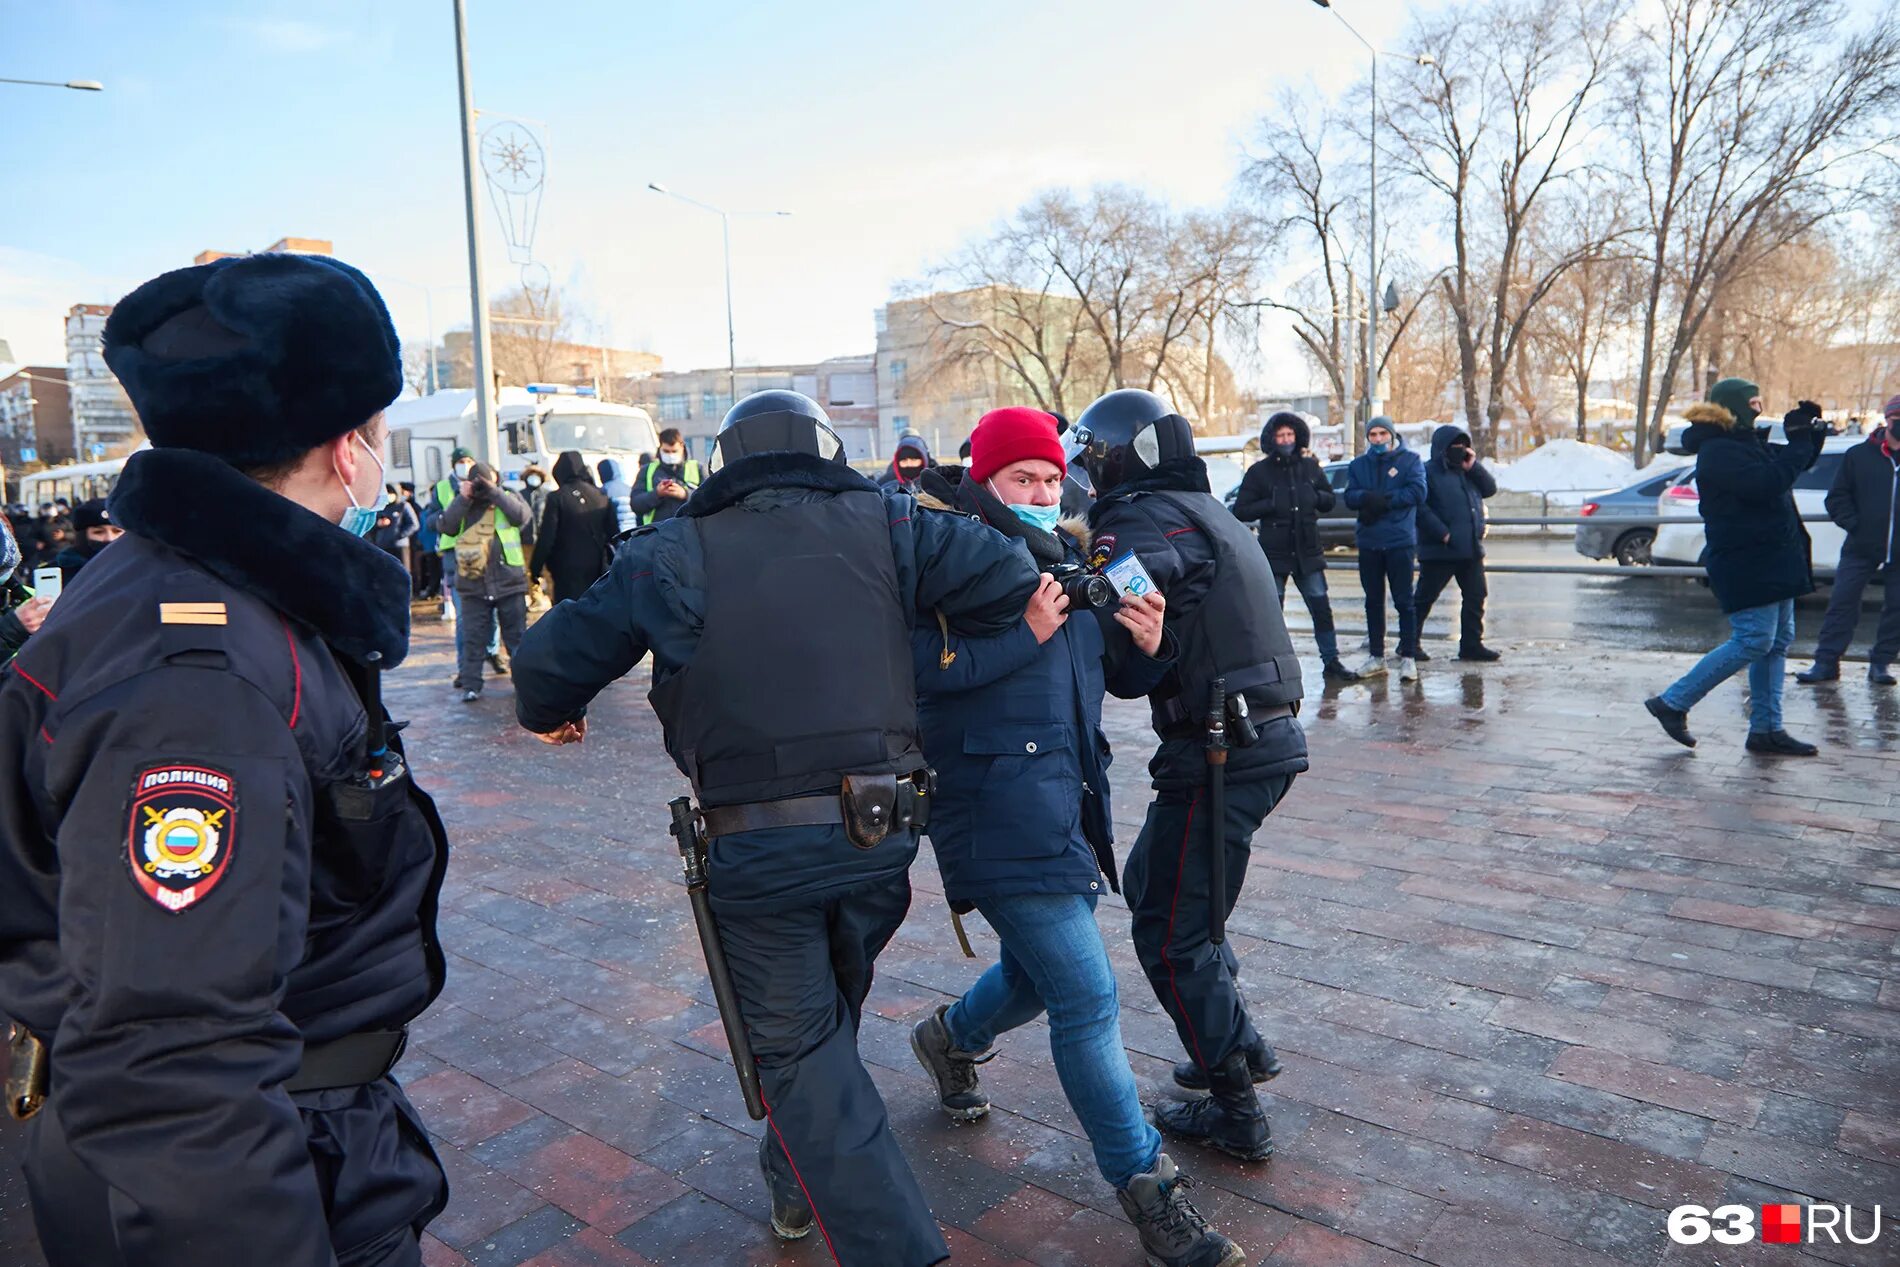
{"points": [[1229, 1118], [1373, 666], [955, 1071], [1262, 1063], [1335, 671], [791, 1209], [1408, 668], [1675, 722], [1779, 743], [1881, 675], [1173, 1232], [1820, 671], [1480, 653]]}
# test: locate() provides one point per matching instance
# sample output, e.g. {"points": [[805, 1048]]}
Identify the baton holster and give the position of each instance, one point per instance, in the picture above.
{"points": [[875, 805], [26, 1073]]}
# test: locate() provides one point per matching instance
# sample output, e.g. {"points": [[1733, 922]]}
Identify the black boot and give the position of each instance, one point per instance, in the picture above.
{"points": [[1480, 652], [1172, 1231], [958, 1090], [1335, 671], [1881, 675], [1262, 1063], [1675, 722], [1822, 670], [1230, 1117], [1779, 743], [791, 1210], [498, 661]]}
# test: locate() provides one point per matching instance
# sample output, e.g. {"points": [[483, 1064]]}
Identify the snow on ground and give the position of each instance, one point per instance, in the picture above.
{"points": [[1570, 467]]}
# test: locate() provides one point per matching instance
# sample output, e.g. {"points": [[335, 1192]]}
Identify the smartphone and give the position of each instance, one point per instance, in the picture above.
{"points": [[47, 582]]}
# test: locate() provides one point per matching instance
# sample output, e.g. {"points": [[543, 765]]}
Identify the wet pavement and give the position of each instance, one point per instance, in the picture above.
{"points": [[1537, 974]]}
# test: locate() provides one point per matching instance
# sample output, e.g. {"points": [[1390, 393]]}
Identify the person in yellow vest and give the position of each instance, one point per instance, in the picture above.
{"points": [[491, 573], [665, 483]]}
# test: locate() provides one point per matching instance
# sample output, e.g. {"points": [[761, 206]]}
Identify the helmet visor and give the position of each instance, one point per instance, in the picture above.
{"points": [[782, 432]]}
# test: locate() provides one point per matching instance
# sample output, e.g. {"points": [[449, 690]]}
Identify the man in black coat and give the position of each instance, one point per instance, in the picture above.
{"points": [[1285, 493], [1863, 501], [1451, 536], [1756, 556], [221, 881], [573, 539]]}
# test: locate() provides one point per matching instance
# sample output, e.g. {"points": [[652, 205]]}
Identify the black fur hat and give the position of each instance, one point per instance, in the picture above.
{"points": [[255, 358]]}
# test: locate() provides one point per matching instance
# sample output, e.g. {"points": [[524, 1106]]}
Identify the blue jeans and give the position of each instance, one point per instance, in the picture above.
{"points": [[1758, 641], [1053, 957], [1312, 587]]}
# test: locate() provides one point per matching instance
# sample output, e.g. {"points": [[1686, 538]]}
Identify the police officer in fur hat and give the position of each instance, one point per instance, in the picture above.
{"points": [[221, 882]]}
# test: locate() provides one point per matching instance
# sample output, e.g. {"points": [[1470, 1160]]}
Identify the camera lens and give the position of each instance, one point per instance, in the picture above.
{"points": [[1089, 591]]}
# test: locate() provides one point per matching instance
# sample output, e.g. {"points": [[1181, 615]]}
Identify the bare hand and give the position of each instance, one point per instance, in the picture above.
{"points": [[468, 488], [1471, 458], [1048, 609], [1142, 618], [32, 613], [567, 732], [673, 489]]}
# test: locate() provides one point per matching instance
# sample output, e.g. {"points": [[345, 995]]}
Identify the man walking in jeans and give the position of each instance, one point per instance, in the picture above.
{"points": [[1862, 501], [1386, 485]]}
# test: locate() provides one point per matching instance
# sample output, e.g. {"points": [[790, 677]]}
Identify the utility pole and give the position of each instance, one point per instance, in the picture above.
{"points": [[478, 297]]}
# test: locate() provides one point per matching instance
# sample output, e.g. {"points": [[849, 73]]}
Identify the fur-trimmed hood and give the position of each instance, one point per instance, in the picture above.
{"points": [[1302, 434], [1707, 421], [353, 595]]}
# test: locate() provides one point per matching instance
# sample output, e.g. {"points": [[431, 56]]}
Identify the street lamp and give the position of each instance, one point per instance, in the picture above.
{"points": [[1372, 235], [82, 85], [725, 230], [428, 309]]}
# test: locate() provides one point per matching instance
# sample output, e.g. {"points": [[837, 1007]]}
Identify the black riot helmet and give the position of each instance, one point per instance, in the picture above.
{"points": [[776, 422], [1126, 434]]}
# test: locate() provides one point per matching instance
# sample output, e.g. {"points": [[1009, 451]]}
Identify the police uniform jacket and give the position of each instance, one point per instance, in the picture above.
{"points": [[654, 599], [185, 912]]}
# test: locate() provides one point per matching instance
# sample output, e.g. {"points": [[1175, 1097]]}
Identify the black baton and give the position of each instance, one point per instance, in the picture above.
{"points": [[693, 861], [1217, 812]]}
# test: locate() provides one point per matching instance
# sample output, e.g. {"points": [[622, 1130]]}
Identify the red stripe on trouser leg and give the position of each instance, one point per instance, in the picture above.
{"points": [[1180, 866], [800, 1179]]}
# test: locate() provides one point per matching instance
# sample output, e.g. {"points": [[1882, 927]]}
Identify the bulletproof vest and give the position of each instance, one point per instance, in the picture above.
{"points": [[803, 669], [1237, 633]]}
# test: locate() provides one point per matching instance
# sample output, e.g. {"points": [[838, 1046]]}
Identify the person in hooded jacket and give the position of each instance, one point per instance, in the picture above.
{"points": [[615, 487], [1451, 536], [576, 531], [93, 531], [1285, 493], [21, 612], [1021, 824], [1386, 485], [1757, 556], [221, 880], [909, 461], [486, 521], [778, 607], [1865, 502]]}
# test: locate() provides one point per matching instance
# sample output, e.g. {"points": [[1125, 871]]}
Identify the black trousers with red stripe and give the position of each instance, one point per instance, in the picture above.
{"points": [[1166, 883]]}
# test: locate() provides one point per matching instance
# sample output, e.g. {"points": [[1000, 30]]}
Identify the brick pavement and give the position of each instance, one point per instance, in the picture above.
{"points": [[1537, 974]]}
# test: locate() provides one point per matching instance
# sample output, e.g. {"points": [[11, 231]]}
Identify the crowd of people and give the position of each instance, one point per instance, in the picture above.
{"points": [[224, 879]]}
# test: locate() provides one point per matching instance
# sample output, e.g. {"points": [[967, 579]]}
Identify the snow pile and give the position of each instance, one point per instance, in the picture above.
{"points": [[1560, 466]]}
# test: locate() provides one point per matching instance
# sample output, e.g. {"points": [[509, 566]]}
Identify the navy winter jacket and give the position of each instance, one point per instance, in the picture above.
{"points": [[1013, 729], [1758, 550], [1454, 502], [1394, 484], [1865, 499]]}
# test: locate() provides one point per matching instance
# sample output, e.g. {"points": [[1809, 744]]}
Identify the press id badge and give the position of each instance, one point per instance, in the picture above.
{"points": [[47, 582], [1129, 577]]}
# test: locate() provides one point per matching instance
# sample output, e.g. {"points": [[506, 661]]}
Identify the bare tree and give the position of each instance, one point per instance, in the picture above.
{"points": [[532, 334], [1747, 121], [1494, 120]]}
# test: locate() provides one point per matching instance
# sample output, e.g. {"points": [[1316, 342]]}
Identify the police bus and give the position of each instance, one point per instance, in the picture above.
{"points": [[537, 423]]}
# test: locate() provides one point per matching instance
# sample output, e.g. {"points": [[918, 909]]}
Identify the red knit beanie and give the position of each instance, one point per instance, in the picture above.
{"points": [[1010, 435]]}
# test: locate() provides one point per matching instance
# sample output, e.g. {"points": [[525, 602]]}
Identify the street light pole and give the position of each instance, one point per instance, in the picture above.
{"points": [[725, 234], [478, 300], [82, 85]]}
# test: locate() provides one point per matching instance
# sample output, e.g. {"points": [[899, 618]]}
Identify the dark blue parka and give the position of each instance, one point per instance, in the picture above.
{"points": [[1013, 729], [653, 599], [1398, 479], [1758, 551], [178, 992], [1454, 502]]}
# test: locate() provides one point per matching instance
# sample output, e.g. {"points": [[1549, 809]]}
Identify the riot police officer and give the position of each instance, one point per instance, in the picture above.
{"points": [[1224, 615], [221, 884], [778, 606]]}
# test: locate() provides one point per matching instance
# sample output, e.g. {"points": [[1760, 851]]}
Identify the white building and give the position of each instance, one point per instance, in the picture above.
{"points": [[103, 422]]}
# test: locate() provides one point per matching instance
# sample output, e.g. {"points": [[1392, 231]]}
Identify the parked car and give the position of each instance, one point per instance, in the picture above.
{"points": [[1680, 544], [1628, 544], [1335, 530]]}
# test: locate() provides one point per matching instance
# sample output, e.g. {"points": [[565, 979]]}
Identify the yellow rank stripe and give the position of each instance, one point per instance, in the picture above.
{"points": [[191, 614]]}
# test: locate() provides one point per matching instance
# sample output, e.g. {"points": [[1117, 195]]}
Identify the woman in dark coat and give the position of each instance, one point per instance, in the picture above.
{"points": [[1757, 557], [1286, 492], [577, 526]]}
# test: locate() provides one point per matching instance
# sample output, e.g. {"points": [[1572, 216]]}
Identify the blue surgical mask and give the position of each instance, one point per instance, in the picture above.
{"points": [[358, 520], [1043, 517], [1378, 448]]}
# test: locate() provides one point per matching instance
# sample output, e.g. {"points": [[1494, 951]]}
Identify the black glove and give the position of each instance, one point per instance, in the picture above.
{"points": [[1803, 417], [1372, 505]]}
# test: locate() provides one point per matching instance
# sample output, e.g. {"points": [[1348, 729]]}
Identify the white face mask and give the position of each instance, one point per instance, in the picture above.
{"points": [[359, 519], [674, 458]]}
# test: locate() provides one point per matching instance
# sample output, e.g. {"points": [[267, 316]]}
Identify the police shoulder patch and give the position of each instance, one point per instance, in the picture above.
{"points": [[1103, 550], [183, 828]]}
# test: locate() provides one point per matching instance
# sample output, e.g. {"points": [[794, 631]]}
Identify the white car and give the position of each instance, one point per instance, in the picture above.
{"points": [[1679, 544]]}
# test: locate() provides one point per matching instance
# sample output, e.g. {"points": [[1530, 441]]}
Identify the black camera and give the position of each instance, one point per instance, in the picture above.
{"points": [[1084, 588]]}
